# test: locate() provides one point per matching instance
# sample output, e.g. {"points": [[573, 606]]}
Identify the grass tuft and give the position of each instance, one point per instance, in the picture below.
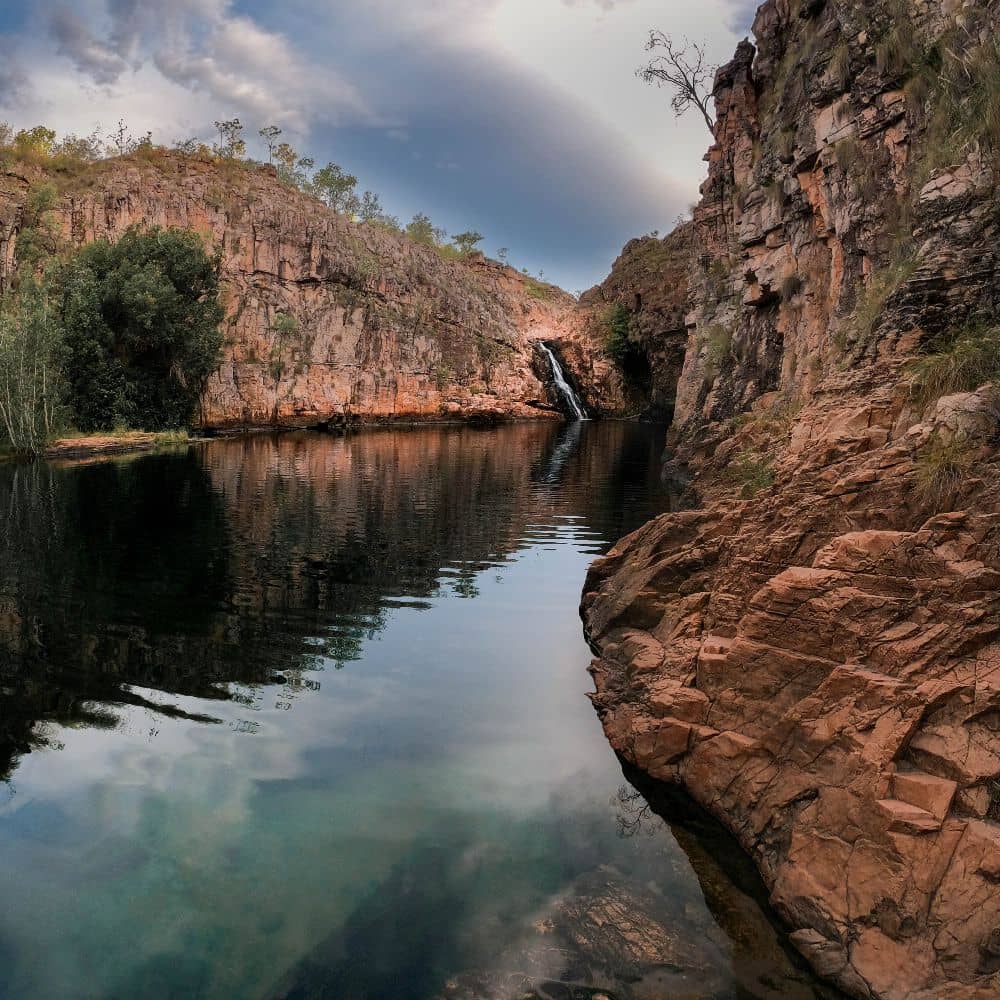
{"points": [[942, 469], [959, 361], [749, 471]]}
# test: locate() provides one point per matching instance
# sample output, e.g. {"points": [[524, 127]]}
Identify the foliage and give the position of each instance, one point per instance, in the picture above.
{"points": [[269, 135], [718, 344], [616, 341], [958, 78], [683, 67], [749, 471], [31, 358], [231, 142], [39, 234], [337, 188], [420, 229], [840, 65], [38, 141], [468, 241], [882, 286], [898, 50], [141, 320], [941, 469], [370, 208], [292, 168], [284, 327], [958, 361]]}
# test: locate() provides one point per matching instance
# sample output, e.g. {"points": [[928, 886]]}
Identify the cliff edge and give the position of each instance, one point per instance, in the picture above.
{"points": [[327, 320], [810, 643]]}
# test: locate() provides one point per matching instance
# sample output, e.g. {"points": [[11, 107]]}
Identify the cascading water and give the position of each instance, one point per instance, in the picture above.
{"points": [[573, 401]]}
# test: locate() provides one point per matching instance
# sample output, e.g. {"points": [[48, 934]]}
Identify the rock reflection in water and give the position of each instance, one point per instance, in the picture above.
{"points": [[322, 707]]}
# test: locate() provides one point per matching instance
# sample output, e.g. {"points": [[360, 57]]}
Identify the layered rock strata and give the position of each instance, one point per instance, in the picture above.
{"points": [[328, 320], [812, 647]]}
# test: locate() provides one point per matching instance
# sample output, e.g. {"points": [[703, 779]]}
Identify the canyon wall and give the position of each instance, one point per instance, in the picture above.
{"points": [[811, 645], [384, 328]]}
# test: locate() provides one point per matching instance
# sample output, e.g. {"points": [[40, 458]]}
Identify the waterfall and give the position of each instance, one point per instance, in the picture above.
{"points": [[567, 392]]}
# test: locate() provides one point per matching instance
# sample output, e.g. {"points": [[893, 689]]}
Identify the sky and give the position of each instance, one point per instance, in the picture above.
{"points": [[522, 119]]}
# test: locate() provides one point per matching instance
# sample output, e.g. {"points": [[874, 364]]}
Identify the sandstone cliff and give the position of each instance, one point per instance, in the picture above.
{"points": [[648, 287], [381, 328], [812, 646]]}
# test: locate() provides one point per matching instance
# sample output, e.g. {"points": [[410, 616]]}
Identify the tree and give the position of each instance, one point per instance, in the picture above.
{"points": [[502, 255], [467, 241], [141, 325], [421, 230], [686, 69], [120, 137], [38, 140], [370, 209], [270, 133], [338, 189], [89, 148], [292, 168], [31, 356], [231, 143]]}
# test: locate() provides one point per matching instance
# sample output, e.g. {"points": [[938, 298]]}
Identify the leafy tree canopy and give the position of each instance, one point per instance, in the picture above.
{"points": [[141, 320]]}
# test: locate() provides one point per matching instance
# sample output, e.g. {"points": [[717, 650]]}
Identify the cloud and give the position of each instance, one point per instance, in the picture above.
{"points": [[741, 15], [94, 58], [603, 4], [202, 45], [14, 83]]}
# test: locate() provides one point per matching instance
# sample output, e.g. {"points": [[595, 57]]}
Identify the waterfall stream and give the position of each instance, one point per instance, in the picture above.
{"points": [[573, 401]]}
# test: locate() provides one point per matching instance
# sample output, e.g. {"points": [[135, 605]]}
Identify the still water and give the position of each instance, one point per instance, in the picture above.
{"points": [[305, 716]]}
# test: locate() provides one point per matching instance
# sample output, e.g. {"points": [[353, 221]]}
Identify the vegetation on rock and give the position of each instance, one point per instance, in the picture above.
{"points": [[140, 319]]}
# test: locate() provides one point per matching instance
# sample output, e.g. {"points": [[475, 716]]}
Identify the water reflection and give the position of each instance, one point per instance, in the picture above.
{"points": [[303, 716]]}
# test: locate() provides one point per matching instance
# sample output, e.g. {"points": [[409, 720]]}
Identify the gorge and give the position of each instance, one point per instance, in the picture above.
{"points": [[791, 554]]}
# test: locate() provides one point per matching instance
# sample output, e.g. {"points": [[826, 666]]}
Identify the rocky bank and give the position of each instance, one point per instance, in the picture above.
{"points": [[810, 644], [381, 328]]}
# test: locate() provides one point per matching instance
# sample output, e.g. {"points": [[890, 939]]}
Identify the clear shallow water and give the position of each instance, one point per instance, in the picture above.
{"points": [[305, 716]]}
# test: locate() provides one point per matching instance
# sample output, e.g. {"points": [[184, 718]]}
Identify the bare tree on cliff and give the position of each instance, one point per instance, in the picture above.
{"points": [[686, 69]]}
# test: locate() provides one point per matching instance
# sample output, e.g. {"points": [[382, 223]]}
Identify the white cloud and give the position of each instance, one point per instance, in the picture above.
{"points": [[204, 47]]}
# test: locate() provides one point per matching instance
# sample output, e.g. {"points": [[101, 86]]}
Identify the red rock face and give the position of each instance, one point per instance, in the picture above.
{"points": [[812, 648], [385, 329]]}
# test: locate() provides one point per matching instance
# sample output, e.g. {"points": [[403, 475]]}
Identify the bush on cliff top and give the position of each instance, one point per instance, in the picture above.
{"points": [[140, 319]]}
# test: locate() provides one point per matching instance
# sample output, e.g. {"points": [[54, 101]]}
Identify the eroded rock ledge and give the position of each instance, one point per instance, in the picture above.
{"points": [[810, 644], [382, 328]]}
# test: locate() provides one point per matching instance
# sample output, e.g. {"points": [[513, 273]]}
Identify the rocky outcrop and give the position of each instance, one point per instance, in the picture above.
{"points": [[812, 646], [328, 320], [648, 290]]}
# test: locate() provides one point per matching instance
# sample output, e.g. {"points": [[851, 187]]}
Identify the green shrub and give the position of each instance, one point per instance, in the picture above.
{"points": [[964, 103], [285, 328], [535, 290], [616, 322], [880, 289], [141, 323], [897, 52], [958, 361], [718, 344], [750, 472]]}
